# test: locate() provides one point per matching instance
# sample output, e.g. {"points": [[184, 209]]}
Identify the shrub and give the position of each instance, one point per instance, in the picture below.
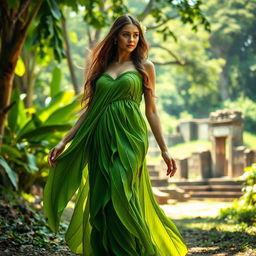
{"points": [[244, 208]]}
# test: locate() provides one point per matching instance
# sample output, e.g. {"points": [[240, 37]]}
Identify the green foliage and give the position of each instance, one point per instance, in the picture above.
{"points": [[239, 214], [24, 229], [30, 133], [250, 140], [248, 108], [188, 12], [56, 81], [244, 209], [10, 173], [99, 15], [233, 38], [188, 87], [48, 31], [249, 197]]}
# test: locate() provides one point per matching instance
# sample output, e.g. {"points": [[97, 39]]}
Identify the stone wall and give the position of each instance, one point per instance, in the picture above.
{"points": [[194, 129]]}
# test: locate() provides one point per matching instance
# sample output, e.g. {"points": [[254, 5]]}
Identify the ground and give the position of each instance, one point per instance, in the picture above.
{"points": [[24, 231]]}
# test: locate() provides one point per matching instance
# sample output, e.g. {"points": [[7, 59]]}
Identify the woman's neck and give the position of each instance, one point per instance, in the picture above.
{"points": [[122, 57]]}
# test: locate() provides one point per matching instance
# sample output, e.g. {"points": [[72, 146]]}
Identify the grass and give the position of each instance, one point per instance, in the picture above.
{"points": [[250, 140], [186, 149], [182, 150]]}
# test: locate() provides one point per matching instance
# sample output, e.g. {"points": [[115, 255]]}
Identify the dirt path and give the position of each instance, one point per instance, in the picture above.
{"points": [[205, 235], [23, 230]]}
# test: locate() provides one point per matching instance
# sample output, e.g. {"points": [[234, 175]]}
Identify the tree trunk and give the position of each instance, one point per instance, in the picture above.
{"points": [[8, 59], [14, 27], [223, 85]]}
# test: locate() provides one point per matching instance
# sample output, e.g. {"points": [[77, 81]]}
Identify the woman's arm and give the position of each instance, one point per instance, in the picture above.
{"points": [[70, 135], [58, 149], [154, 121]]}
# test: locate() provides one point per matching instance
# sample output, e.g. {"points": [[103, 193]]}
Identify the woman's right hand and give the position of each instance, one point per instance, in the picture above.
{"points": [[55, 152]]}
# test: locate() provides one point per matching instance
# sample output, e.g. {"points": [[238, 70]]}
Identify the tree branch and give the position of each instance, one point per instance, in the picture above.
{"points": [[146, 10], [22, 9], [169, 51], [162, 23], [169, 63], [33, 14], [89, 34]]}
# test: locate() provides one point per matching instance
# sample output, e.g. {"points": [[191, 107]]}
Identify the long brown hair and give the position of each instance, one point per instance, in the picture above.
{"points": [[105, 52]]}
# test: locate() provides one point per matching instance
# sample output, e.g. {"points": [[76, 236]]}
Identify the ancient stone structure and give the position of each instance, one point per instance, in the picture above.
{"points": [[206, 174], [228, 156], [194, 129], [226, 134]]}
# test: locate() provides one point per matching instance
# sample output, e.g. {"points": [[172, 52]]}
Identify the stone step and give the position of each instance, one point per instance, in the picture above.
{"points": [[158, 182], [213, 194], [187, 183], [222, 181], [196, 188], [210, 181], [152, 167], [212, 188], [161, 197], [154, 173], [222, 199], [175, 193], [225, 188]]}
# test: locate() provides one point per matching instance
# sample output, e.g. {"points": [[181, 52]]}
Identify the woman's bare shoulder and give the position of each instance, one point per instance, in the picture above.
{"points": [[149, 66]]}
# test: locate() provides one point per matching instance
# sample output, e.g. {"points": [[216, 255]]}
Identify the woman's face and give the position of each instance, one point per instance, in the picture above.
{"points": [[128, 38]]}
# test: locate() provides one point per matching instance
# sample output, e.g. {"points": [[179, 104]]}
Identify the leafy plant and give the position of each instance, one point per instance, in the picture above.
{"points": [[24, 229], [30, 133], [244, 209]]}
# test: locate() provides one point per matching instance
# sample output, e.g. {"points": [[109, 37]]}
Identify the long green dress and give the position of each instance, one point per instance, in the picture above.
{"points": [[115, 212]]}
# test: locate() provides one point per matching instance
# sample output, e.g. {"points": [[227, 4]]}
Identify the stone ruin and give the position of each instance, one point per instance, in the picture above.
{"points": [[227, 157], [206, 174]]}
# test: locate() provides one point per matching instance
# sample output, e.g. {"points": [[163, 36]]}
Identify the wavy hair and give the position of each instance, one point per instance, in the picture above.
{"points": [[105, 52]]}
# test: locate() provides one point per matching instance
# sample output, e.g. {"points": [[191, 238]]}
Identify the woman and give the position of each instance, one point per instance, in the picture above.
{"points": [[115, 211]]}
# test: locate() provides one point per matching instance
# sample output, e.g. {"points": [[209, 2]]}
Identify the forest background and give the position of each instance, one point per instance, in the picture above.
{"points": [[204, 54]]}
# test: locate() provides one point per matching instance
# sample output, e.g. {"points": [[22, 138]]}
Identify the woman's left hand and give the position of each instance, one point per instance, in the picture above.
{"points": [[170, 162]]}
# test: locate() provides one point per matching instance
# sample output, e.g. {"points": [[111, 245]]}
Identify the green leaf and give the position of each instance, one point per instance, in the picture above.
{"points": [[65, 114], [54, 8], [59, 100], [45, 130], [56, 81], [22, 117], [26, 128], [13, 114], [20, 67], [31, 162], [11, 151], [36, 120], [11, 174]]}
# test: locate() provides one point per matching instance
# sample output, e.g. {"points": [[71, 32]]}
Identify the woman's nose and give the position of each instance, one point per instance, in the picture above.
{"points": [[131, 38]]}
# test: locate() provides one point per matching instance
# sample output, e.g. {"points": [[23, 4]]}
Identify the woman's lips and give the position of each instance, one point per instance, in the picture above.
{"points": [[130, 45]]}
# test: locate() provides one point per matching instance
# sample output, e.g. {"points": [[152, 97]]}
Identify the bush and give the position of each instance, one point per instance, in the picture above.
{"points": [[244, 208], [29, 135], [239, 215]]}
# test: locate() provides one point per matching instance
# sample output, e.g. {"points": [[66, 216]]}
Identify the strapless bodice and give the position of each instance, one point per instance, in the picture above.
{"points": [[127, 86]]}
